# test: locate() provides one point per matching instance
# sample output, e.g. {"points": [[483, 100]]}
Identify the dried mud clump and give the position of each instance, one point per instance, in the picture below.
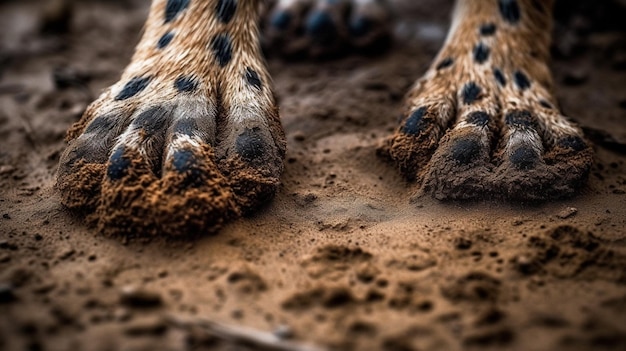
{"points": [[180, 203], [195, 201]]}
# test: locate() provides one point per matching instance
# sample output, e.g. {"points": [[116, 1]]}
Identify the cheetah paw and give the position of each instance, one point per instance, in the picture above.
{"points": [[187, 140], [326, 27]]}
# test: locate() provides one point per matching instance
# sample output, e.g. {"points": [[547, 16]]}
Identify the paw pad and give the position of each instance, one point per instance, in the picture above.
{"points": [[465, 151]]}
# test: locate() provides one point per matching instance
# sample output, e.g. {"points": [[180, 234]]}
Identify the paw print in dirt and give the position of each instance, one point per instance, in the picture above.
{"points": [[483, 121], [188, 139], [326, 27]]}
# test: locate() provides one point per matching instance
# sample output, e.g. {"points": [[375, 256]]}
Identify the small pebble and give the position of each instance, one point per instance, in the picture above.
{"points": [[299, 136], [526, 265], [283, 332], [567, 212], [122, 315], [5, 169], [149, 325], [462, 244], [136, 297], [67, 254]]}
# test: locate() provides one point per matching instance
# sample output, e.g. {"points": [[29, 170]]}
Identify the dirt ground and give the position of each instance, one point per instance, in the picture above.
{"points": [[342, 258]]}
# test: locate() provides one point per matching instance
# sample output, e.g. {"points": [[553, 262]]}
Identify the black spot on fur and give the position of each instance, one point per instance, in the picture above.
{"points": [[524, 158], [226, 10], [521, 118], [173, 8], [487, 29], [545, 104], [253, 78], [133, 87], [118, 165], [509, 9], [445, 63], [152, 120], [185, 84], [471, 92], [165, 40], [465, 151], [222, 49], [573, 142], [478, 118], [499, 77], [250, 145], [185, 126], [100, 125], [481, 52], [415, 123], [521, 80]]}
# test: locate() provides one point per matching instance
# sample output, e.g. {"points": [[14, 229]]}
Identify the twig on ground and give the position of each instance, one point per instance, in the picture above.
{"points": [[257, 339]]}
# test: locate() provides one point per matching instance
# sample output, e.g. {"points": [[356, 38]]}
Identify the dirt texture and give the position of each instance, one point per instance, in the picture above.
{"points": [[345, 257]]}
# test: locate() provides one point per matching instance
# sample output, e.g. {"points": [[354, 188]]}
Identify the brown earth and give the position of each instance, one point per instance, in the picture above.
{"points": [[342, 258]]}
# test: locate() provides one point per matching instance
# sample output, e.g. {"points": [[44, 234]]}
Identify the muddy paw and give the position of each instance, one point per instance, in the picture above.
{"points": [[175, 146], [326, 27], [483, 121]]}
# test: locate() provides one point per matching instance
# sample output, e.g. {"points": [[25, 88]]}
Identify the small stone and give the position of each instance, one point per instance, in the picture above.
{"points": [[122, 315], [462, 244], [45, 288], [283, 332], [67, 254], [6, 169], [136, 297], [149, 325], [526, 265], [7, 294], [567, 212], [299, 136]]}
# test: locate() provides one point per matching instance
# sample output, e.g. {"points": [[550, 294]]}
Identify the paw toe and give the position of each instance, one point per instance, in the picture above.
{"points": [[524, 158], [464, 151], [118, 164], [251, 146], [281, 20], [572, 142], [321, 27]]}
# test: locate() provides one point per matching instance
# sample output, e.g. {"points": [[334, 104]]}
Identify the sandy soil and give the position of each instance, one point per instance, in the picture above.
{"points": [[342, 258]]}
